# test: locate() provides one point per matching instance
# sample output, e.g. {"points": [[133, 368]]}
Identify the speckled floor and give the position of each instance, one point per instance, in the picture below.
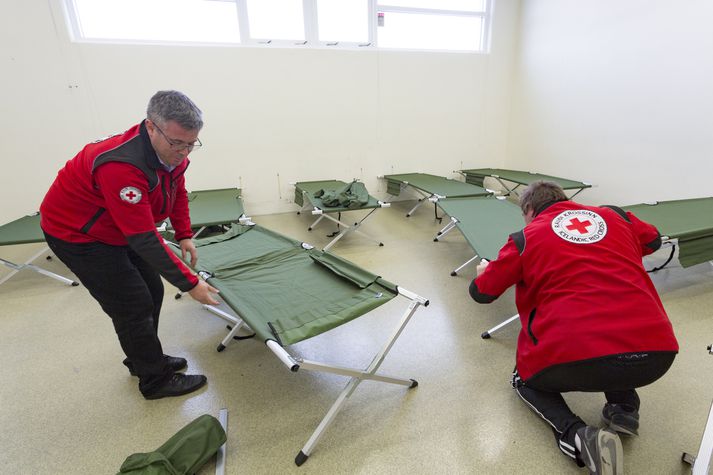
{"points": [[68, 406]]}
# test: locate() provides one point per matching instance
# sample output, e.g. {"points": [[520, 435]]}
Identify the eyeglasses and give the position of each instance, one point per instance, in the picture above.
{"points": [[178, 146]]}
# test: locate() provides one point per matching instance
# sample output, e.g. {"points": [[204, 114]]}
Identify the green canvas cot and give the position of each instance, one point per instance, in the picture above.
{"points": [[431, 187], [311, 195], [512, 180], [689, 223], [287, 291]]}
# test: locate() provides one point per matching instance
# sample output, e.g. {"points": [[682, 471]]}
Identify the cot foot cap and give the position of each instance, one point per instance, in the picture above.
{"points": [[301, 458], [74, 284], [178, 296], [453, 273], [220, 348], [414, 383], [485, 335], [381, 244]]}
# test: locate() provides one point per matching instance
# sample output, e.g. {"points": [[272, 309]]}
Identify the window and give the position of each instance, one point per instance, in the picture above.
{"points": [[276, 19], [455, 25], [438, 25], [156, 20], [344, 21]]}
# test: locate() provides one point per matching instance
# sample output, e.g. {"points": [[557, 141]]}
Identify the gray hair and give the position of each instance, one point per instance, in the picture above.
{"points": [[176, 106], [539, 194]]}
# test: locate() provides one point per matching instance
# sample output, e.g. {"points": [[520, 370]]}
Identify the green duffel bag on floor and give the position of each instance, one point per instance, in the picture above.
{"points": [[182, 454]]}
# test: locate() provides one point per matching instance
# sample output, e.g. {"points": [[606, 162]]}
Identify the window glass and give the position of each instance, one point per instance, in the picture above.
{"points": [[158, 20], [430, 32], [276, 19], [462, 5], [343, 20]]}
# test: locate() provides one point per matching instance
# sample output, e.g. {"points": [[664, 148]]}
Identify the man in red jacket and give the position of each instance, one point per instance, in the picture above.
{"points": [[99, 217], [591, 318]]}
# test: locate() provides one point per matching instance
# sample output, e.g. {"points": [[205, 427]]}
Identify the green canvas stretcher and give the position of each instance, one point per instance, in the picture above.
{"points": [[304, 197], [287, 291], [687, 222], [431, 187], [511, 180]]}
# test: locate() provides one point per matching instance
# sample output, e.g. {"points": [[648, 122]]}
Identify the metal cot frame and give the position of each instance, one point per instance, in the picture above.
{"points": [[29, 226], [428, 194], [355, 375], [511, 180], [325, 212]]}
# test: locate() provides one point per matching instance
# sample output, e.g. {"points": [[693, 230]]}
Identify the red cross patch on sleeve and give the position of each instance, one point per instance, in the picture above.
{"points": [[130, 194]]}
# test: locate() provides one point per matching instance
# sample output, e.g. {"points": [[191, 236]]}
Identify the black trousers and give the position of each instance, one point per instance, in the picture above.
{"points": [[130, 291], [616, 376]]}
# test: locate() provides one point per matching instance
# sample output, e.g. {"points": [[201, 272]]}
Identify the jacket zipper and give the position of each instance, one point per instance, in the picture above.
{"points": [[529, 326]]}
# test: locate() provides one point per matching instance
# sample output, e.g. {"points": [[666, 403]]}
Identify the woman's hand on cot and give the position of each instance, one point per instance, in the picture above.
{"points": [[203, 293]]}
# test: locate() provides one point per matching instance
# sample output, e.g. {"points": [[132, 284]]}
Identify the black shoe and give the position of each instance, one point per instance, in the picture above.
{"points": [[174, 364], [178, 385], [621, 420], [601, 451]]}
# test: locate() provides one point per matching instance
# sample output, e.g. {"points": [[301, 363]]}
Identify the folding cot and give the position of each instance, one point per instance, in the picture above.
{"points": [[304, 197], [207, 208], [217, 207], [287, 291], [431, 187], [26, 230], [511, 180], [688, 223]]}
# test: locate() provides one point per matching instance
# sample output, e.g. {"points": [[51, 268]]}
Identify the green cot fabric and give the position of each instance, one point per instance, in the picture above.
{"points": [[22, 231], [433, 184], [309, 188], [476, 176], [184, 453], [690, 221], [211, 207], [283, 291], [486, 222], [352, 195]]}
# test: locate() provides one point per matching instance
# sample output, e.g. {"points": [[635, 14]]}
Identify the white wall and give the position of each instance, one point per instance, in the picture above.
{"points": [[619, 93], [273, 116]]}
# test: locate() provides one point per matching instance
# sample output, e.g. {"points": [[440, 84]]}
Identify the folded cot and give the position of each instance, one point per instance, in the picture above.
{"points": [[304, 197], [287, 291], [26, 230], [431, 187], [511, 180]]}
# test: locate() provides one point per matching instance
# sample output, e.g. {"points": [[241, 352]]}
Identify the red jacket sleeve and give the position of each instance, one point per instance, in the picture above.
{"points": [[648, 235], [500, 274], [180, 217], [126, 195]]}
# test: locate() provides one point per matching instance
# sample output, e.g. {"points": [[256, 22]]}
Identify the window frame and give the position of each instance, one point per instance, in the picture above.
{"points": [[311, 25]]}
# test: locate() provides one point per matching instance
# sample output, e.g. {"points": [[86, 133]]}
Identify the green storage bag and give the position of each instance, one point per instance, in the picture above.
{"points": [[182, 454]]}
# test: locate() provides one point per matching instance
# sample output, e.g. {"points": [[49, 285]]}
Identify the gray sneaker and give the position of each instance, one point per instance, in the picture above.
{"points": [[601, 451], [620, 420]]}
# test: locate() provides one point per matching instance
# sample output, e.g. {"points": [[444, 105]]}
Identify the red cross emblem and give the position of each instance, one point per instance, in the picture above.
{"points": [[130, 194], [579, 226]]}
